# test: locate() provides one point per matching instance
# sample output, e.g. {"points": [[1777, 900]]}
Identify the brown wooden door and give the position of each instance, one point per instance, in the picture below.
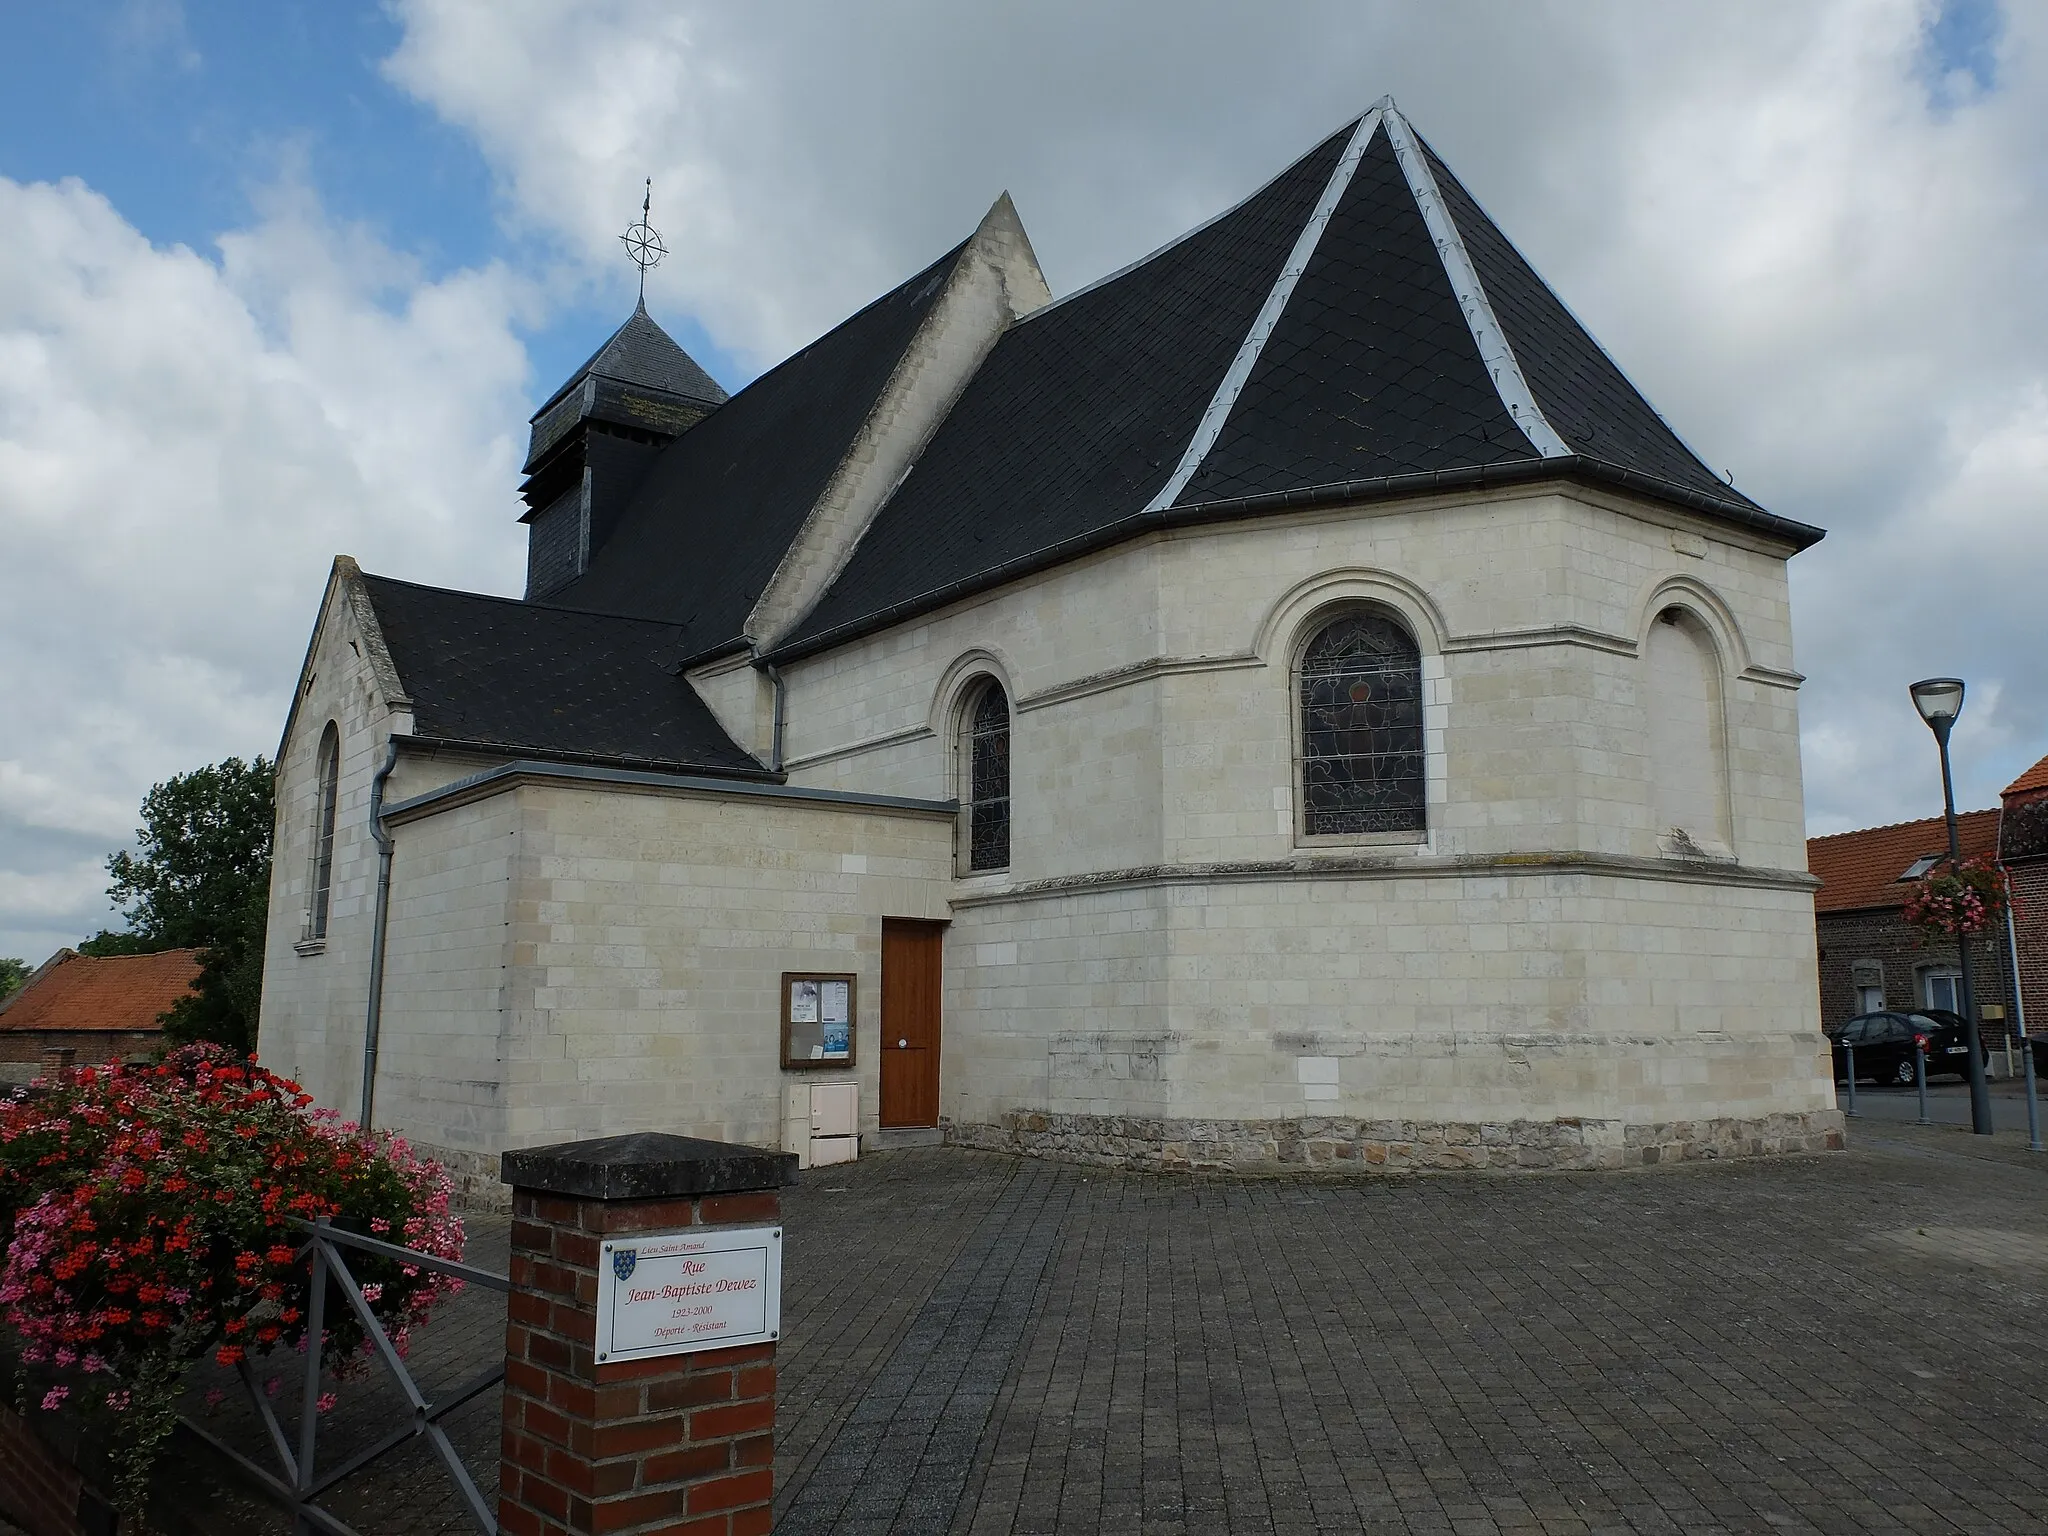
{"points": [[910, 1022]]}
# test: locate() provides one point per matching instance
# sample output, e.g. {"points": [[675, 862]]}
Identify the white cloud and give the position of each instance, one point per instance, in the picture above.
{"points": [[185, 443]]}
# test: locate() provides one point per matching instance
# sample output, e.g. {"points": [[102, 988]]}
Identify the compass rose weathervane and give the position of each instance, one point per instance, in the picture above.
{"points": [[643, 243]]}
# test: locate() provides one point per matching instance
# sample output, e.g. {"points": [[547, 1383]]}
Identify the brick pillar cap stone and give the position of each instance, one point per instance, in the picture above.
{"points": [[647, 1165]]}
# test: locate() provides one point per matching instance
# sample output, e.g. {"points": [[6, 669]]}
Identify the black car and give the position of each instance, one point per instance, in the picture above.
{"points": [[1887, 1042]]}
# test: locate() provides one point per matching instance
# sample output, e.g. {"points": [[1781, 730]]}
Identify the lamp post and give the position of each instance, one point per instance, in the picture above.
{"points": [[1940, 700]]}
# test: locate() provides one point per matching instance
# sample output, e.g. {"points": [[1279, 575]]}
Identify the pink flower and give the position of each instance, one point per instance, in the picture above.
{"points": [[118, 1401], [54, 1398], [327, 1402]]}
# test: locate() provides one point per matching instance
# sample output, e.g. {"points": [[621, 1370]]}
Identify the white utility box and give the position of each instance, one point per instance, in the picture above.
{"points": [[821, 1122]]}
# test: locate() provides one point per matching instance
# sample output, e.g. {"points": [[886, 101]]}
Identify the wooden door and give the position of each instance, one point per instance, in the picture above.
{"points": [[910, 1022]]}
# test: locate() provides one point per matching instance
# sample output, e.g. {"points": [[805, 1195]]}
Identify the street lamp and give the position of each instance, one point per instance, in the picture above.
{"points": [[1940, 700]]}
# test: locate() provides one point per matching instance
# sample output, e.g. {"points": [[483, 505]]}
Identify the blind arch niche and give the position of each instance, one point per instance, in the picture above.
{"points": [[1688, 738]]}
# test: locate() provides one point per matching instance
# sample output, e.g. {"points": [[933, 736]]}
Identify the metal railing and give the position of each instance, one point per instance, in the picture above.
{"points": [[301, 1483]]}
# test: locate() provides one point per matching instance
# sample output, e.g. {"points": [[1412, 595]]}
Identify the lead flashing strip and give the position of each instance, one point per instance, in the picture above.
{"points": [[1494, 349], [527, 770], [1232, 384]]}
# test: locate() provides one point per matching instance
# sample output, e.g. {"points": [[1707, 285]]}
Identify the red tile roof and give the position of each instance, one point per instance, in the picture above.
{"points": [[2035, 777], [1862, 869], [74, 991]]}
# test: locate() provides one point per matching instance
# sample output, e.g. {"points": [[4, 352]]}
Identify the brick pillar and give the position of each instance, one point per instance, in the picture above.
{"points": [[57, 1060], [681, 1443]]}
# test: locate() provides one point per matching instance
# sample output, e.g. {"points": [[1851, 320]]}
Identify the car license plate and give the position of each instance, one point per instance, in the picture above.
{"points": [[1957, 1050]]}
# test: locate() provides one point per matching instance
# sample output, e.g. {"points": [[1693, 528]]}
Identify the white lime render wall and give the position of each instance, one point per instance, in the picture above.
{"points": [[1170, 970]]}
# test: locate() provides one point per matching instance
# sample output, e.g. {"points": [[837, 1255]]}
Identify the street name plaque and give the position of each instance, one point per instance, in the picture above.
{"points": [[674, 1293]]}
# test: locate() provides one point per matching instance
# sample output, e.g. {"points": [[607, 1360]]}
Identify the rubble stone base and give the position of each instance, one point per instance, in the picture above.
{"points": [[1240, 1146], [475, 1176]]}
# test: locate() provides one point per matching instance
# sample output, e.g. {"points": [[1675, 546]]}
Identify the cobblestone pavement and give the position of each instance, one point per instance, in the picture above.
{"points": [[979, 1344]]}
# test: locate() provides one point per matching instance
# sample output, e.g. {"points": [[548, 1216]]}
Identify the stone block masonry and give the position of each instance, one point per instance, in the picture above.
{"points": [[1124, 1141], [674, 1445]]}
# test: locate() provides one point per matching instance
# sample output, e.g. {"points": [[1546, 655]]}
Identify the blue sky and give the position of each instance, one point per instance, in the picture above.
{"points": [[284, 280], [181, 115]]}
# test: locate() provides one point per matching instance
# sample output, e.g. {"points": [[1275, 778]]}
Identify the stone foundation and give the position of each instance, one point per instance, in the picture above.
{"points": [[478, 1186], [1239, 1146]]}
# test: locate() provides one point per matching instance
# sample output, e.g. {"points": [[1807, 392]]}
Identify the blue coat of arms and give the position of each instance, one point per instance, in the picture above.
{"points": [[623, 1260]]}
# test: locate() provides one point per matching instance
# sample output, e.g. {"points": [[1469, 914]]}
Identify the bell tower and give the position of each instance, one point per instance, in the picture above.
{"points": [[596, 437]]}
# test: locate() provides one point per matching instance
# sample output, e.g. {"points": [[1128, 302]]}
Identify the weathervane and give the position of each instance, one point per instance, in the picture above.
{"points": [[643, 244]]}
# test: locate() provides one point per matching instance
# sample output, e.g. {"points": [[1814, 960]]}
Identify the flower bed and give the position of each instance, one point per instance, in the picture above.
{"points": [[148, 1214]]}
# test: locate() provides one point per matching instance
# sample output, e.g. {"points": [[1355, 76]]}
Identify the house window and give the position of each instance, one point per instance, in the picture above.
{"points": [[322, 881], [1361, 728], [1944, 989], [1920, 866], [1869, 999], [987, 754]]}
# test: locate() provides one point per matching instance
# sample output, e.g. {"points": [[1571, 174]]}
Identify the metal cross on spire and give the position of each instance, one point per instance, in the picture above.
{"points": [[643, 244]]}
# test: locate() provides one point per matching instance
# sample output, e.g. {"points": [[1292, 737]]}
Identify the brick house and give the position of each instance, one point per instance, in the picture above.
{"points": [[2023, 849], [96, 1009], [1870, 957]]}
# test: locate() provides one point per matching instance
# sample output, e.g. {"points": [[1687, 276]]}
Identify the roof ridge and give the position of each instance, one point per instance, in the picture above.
{"points": [[1498, 357], [1896, 826], [1427, 154], [1185, 235], [520, 602], [1231, 385]]}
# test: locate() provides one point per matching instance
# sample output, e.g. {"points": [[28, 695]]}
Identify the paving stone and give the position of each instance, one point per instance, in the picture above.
{"points": [[986, 1346]]}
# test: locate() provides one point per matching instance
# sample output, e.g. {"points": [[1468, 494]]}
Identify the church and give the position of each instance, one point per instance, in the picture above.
{"points": [[1291, 702]]}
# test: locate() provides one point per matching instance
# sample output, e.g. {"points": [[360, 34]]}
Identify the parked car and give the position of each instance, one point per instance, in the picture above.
{"points": [[1887, 1042], [2039, 1043]]}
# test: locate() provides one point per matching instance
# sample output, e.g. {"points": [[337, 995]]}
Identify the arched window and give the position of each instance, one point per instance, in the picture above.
{"points": [[986, 758], [322, 881], [1688, 748], [1361, 728]]}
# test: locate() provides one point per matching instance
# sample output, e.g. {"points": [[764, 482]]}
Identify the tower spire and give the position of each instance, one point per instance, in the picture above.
{"points": [[643, 242]]}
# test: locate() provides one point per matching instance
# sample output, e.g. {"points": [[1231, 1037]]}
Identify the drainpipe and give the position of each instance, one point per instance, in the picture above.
{"points": [[374, 1018], [781, 698]]}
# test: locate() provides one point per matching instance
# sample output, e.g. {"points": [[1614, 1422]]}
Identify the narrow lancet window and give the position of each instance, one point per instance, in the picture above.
{"points": [[322, 881], [988, 780], [1361, 729]]}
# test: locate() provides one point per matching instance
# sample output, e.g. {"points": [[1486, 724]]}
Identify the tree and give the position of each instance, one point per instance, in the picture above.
{"points": [[12, 974], [199, 878]]}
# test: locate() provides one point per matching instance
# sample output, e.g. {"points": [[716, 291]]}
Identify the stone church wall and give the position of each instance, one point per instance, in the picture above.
{"points": [[1161, 949], [572, 961], [1223, 1015]]}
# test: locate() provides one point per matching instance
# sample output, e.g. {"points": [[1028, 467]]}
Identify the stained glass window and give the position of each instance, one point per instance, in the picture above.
{"points": [[323, 835], [1361, 728], [988, 780]]}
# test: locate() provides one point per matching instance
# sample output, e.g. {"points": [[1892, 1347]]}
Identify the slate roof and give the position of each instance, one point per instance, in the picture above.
{"points": [[1355, 328], [1860, 870], [710, 523], [119, 992], [1375, 366], [500, 674], [641, 352]]}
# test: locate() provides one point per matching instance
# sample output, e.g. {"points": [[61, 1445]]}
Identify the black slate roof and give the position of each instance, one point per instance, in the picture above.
{"points": [[1083, 408], [1585, 397], [1370, 381], [503, 674], [641, 352], [710, 523]]}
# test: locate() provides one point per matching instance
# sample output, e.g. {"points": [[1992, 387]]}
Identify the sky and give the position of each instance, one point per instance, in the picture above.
{"points": [[284, 280]]}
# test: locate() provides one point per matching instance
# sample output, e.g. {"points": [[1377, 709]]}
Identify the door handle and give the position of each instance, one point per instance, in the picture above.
{"points": [[902, 1045]]}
